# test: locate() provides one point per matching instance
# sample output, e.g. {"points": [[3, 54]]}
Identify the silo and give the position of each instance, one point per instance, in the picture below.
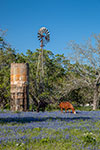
{"points": [[19, 80]]}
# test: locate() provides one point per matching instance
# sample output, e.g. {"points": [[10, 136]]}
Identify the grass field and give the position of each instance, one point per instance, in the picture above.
{"points": [[50, 130]]}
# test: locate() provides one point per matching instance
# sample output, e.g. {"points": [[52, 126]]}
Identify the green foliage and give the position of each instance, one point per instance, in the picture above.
{"points": [[7, 56], [52, 107], [89, 138], [57, 69], [85, 108], [62, 80]]}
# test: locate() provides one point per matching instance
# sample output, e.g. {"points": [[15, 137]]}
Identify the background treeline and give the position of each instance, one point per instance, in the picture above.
{"points": [[75, 79]]}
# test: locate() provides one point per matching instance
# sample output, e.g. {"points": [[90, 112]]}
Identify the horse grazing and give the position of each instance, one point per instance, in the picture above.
{"points": [[66, 106]]}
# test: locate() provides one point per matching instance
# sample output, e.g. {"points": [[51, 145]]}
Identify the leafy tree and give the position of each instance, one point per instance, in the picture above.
{"points": [[54, 74], [7, 56]]}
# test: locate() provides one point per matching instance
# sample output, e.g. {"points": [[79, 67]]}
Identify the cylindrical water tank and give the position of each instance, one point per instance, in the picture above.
{"points": [[19, 73], [19, 80]]}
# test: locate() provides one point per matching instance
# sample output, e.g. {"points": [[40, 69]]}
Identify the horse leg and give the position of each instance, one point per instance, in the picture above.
{"points": [[65, 110], [61, 109]]}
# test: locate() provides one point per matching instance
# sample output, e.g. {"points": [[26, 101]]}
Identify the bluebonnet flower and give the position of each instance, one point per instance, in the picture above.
{"points": [[17, 125]]}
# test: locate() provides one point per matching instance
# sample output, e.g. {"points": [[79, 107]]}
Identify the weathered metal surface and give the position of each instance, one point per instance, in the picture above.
{"points": [[19, 87]]}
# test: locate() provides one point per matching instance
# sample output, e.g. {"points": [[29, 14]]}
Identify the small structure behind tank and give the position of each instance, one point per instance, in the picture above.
{"points": [[19, 80]]}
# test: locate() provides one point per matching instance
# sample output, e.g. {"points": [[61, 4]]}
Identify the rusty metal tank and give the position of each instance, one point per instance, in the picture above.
{"points": [[19, 79]]}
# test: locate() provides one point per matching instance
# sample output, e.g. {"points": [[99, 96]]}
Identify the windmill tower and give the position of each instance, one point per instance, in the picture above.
{"points": [[44, 38]]}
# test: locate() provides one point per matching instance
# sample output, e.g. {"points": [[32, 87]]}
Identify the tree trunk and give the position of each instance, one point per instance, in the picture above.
{"points": [[95, 100]]}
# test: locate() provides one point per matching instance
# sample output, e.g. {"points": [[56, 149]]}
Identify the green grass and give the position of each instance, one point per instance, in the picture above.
{"points": [[74, 132], [74, 142]]}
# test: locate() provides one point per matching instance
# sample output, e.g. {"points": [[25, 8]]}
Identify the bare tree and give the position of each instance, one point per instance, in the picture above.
{"points": [[87, 58]]}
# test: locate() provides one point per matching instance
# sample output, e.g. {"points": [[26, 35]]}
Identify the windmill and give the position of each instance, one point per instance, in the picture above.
{"points": [[44, 38]]}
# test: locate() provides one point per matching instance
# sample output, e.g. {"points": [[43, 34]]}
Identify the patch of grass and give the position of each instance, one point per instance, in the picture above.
{"points": [[51, 131]]}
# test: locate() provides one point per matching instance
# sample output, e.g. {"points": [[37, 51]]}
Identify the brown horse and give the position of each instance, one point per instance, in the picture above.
{"points": [[66, 106]]}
